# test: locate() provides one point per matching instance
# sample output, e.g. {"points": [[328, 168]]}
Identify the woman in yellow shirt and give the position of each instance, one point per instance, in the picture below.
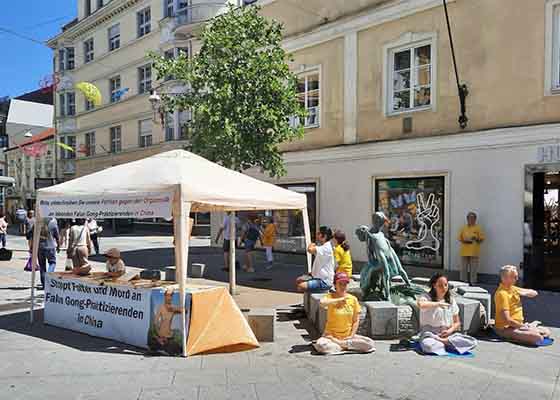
{"points": [[470, 236], [343, 318], [342, 254], [268, 240]]}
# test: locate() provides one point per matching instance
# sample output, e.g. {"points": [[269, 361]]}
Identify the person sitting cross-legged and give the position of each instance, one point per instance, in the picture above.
{"points": [[439, 321], [343, 318], [510, 323]]}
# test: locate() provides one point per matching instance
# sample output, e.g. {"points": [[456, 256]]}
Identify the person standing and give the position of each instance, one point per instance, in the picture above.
{"points": [[3, 229], [29, 224], [268, 240], [93, 233], [48, 247], [79, 247], [21, 219], [322, 273], [225, 246], [470, 237]]}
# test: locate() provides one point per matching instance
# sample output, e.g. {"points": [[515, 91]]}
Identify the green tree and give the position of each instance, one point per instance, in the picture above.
{"points": [[242, 92]]}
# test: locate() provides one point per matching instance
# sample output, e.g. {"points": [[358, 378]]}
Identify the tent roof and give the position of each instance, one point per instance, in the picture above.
{"points": [[207, 185]]}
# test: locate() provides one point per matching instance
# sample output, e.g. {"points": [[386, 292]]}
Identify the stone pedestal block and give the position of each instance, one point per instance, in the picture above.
{"points": [[485, 299], [421, 281], [383, 318], [197, 270], [306, 302], [470, 289], [262, 321], [314, 300], [457, 284], [469, 312]]}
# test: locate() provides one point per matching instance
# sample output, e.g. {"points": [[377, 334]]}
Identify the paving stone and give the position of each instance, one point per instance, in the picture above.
{"points": [[229, 392], [204, 377], [284, 391], [169, 393], [252, 375]]}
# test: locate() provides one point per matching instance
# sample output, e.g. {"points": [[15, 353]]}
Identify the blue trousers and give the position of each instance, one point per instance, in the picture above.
{"points": [[45, 256]]}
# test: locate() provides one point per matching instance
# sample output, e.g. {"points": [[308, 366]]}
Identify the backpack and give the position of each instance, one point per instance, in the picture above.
{"points": [[253, 233]]}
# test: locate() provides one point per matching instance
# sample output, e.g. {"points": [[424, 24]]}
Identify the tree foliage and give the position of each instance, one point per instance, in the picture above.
{"points": [[242, 92]]}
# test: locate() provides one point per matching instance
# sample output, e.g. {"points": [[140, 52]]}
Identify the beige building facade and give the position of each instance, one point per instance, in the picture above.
{"points": [[382, 134]]}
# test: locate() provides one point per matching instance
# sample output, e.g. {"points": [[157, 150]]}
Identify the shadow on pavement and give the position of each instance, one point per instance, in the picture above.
{"points": [[19, 323], [280, 278]]}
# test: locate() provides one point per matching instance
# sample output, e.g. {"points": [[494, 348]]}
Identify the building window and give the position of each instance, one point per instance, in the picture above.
{"points": [[89, 105], [552, 55], [99, 4], [185, 119], [90, 144], [62, 104], [70, 103], [114, 88], [66, 60], [410, 78], [87, 8], [116, 140], [145, 133], [143, 22], [169, 127], [168, 11], [308, 92], [67, 154], [144, 79], [415, 209], [88, 50], [114, 37]]}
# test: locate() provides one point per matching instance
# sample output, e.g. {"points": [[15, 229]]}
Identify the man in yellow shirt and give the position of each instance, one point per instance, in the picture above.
{"points": [[470, 236], [510, 323], [343, 318]]}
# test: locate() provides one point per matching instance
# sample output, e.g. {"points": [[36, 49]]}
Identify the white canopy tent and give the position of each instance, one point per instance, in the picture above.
{"points": [[168, 184]]}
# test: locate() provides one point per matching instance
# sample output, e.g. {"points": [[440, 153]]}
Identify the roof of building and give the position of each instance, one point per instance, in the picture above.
{"points": [[44, 135], [38, 96]]}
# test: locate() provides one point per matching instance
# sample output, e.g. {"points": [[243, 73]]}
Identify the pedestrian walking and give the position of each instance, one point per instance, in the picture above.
{"points": [[29, 224], [251, 235], [3, 229], [94, 231], [470, 236], [48, 247], [268, 241], [21, 219], [225, 246]]}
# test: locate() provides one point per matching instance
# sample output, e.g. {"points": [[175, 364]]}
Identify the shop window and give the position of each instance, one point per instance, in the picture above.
{"points": [[415, 210]]}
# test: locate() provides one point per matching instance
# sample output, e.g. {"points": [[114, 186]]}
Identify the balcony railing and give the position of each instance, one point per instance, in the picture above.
{"points": [[198, 13]]}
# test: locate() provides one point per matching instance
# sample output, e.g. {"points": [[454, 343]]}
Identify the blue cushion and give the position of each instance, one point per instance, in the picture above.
{"points": [[545, 342], [418, 348]]}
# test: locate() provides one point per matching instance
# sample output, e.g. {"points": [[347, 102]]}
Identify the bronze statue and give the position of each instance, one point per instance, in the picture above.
{"points": [[383, 265]]}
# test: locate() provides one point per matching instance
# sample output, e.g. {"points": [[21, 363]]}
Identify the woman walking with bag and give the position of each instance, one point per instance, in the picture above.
{"points": [[79, 247]]}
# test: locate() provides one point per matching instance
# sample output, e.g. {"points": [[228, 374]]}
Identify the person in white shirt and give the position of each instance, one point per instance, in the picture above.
{"points": [[225, 246], [94, 230], [439, 320], [322, 273], [115, 265]]}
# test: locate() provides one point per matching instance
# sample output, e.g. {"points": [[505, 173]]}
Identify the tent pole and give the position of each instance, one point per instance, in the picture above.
{"points": [[34, 256], [181, 248], [232, 240], [307, 232]]}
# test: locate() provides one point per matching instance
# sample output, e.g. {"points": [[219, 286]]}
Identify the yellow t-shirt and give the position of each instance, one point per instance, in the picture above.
{"points": [[343, 260], [468, 233], [508, 300], [340, 317], [269, 236]]}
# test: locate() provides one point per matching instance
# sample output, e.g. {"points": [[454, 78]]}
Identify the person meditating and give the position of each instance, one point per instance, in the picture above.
{"points": [[510, 323], [343, 317], [115, 265], [322, 273], [439, 321]]}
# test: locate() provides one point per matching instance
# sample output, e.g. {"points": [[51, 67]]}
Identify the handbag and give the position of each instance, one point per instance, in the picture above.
{"points": [[28, 265]]}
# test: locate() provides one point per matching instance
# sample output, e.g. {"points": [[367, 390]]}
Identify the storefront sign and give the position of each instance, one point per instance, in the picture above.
{"points": [[121, 313], [549, 154], [109, 206]]}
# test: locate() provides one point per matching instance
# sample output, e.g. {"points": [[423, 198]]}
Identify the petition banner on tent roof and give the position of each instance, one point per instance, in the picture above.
{"points": [[109, 206]]}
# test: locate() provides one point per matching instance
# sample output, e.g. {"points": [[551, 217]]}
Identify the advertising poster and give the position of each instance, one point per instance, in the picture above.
{"points": [[165, 333], [415, 209], [121, 313]]}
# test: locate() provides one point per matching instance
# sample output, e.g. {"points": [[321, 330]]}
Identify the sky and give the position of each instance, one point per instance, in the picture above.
{"points": [[25, 63]]}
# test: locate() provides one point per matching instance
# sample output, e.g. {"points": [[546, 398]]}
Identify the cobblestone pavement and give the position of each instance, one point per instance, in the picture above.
{"points": [[43, 362]]}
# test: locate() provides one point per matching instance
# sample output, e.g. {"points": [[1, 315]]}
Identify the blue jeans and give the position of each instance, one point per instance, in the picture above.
{"points": [[45, 256], [3, 239], [315, 285]]}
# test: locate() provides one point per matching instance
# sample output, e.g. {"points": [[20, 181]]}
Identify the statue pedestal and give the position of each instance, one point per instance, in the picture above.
{"points": [[389, 321]]}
